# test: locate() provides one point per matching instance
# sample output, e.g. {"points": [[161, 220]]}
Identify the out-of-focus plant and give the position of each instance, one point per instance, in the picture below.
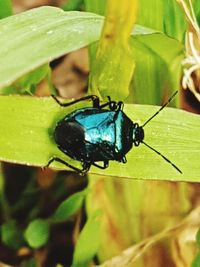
{"points": [[191, 63]]}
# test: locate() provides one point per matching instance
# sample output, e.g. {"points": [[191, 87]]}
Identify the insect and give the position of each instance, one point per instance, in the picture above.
{"points": [[95, 135]]}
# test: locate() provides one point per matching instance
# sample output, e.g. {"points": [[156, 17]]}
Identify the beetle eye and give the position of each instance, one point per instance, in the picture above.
{"points": [[138, 134]]}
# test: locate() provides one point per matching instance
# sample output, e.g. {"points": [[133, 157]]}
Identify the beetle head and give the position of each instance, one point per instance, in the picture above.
{"points": [[138, 134]]}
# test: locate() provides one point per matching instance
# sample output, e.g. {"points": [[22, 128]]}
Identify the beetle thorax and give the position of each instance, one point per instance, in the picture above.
{"points": [[138, 134]]}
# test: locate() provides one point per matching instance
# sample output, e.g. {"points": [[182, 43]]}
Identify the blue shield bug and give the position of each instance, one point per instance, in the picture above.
{"points": [[99, 133]]}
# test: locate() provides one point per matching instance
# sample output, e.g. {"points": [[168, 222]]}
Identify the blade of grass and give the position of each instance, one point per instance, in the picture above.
{"points": [[26, 137], [51, 32], [33, 38]]}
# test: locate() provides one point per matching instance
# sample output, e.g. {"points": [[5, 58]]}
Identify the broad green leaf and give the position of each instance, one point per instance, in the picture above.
{"points": [[28, 123], [151, 14], [68, 207], [165, 16], [88, 242], [174, 20], [5, 8], [37, 233], [158, 64], [30, 39], [37, 36]]}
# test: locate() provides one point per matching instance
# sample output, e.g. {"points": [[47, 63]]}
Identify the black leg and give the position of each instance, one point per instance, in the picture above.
{"points": [[94, 98], [124, 160], [105, 165], [86, 167], [113, 105]]}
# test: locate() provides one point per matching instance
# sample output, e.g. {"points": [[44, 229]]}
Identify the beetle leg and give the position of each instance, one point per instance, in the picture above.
{"points": [[112, 104], [81, 171], [94, 98], [86, 167], [120, 105], [105, 165], [124, 160]]}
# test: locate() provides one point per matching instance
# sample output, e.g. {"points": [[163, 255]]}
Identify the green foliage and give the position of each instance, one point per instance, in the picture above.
{"points": [[42, 31], [95, 6], [88, 242], [28, 82], [35, 120], [157, 63], [28, 122], [72, 5], [37, 233], [5, 8], [11, 235], [51, 17], [198, 237], [29, 263], [68, 207], [196, 262], [49, 31]]}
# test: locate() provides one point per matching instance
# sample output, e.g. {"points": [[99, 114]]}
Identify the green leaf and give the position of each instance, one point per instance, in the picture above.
{"points": [[72, 5], [27, 138], [37, 233], [95, 6], [5, 8], [68, 207], [160, 65], [32, 78], [174, 20], [50, 33], [198, 237], [152, 15], [88, 242], [37, 36], [157, 63], [196, 262], [11, 235], [28, 81]]}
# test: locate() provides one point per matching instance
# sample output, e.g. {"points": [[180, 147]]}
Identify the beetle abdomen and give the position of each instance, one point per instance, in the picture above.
{"points": [[70, 138]]}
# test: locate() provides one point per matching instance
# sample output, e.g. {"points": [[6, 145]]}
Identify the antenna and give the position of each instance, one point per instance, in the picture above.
{"points": [[166, 159], [157, 152], [163, 106]]}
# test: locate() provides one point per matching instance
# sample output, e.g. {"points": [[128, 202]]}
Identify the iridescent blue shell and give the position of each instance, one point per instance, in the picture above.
{"points": [[92, 134]]}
